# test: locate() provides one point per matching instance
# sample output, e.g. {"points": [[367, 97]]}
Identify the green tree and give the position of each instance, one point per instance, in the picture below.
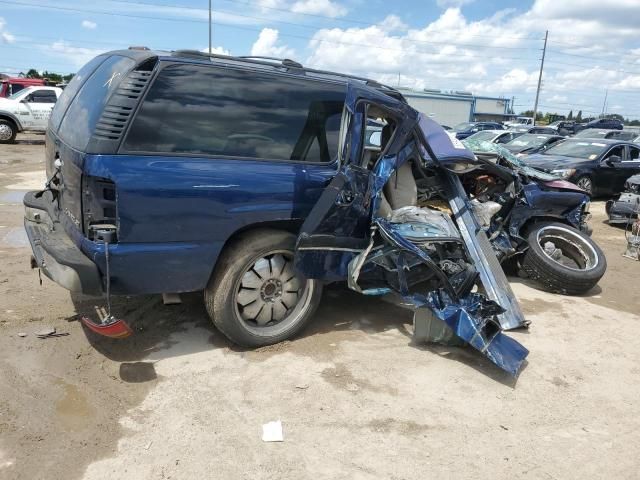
{"points": [[579, 116], [33, 73], [570, 116]]}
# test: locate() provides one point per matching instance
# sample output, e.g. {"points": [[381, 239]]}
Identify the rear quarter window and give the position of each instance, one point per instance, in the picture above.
{"points": [[204, 110], [85, 109], [69, 93]]}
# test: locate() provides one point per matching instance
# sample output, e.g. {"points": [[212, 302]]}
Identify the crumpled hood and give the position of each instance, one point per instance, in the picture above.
{"points": [[554, 162]]}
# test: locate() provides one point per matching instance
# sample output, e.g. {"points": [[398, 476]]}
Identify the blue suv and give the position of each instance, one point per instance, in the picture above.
{"points": [[175, 158], [252, 180]]}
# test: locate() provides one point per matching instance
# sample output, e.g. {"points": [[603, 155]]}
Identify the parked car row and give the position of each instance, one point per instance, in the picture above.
{"points": [[605, 127]]}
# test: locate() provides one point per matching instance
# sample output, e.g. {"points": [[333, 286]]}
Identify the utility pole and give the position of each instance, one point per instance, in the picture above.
{"points": [[209, 27], [604, 104], [544, 51]]}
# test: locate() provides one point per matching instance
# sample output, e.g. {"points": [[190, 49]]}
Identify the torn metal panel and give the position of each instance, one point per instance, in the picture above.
{"points": [[420, 254], [471, 316], [472, 319], [493, 279]]}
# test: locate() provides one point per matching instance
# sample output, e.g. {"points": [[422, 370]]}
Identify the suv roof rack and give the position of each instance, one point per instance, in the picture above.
{"points": [[287, 62]]}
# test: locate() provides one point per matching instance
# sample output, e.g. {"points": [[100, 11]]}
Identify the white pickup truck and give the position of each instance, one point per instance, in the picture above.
{"points": [[27, 109]]}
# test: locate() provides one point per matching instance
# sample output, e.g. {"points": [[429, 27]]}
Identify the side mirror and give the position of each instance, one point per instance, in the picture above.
{"points": [[612, 160]]}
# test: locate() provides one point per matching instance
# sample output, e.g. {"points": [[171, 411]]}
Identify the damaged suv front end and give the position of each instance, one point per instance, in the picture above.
{"points": [[368, 228]]}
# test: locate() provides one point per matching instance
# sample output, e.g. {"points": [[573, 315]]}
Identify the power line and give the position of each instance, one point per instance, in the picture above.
{"points": [[332, 42], [188, 20], [600, 59], [313, 15], [596, 67]]}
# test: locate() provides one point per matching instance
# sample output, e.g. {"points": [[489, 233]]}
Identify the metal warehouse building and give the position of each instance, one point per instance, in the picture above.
{"points": [[451, 108]]}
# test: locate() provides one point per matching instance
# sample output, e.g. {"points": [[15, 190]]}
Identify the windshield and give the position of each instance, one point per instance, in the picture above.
{"points": [[483, 136], [16, 95], [591, 133], [515, 163], [554, 124], [577, 149], [526, 141], [461, 127]]}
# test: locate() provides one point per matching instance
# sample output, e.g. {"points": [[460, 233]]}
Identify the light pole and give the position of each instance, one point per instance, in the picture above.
{"points": [[209, 27]]}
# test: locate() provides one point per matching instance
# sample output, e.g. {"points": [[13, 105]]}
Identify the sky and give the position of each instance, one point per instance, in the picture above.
{"points": [[488, 47]]}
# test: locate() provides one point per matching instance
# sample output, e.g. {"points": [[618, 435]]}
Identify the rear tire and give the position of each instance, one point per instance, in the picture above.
{"points": [[255, 297], [576, 269], [8, 131]]}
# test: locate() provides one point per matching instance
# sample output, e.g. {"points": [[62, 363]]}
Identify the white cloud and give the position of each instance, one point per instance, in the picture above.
{"points": [[499, 54], [89, 25], [5, 37], [76, 56], [267, 45], [217, 50], [319, 7]]}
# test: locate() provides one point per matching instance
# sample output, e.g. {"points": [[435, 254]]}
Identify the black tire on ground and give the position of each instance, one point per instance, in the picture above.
{"points": [[8, 131], [585, 183], [552, 276], [237, 266]]}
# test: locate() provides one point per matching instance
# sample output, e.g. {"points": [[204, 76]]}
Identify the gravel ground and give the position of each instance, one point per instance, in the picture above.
{"points": [[356, 398]]}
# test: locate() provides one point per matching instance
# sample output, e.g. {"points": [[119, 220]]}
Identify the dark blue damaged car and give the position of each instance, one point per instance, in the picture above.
{"points": [[252, 180]]}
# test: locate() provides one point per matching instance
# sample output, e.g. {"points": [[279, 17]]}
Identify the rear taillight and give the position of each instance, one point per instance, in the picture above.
{"points": [[99, 203]]}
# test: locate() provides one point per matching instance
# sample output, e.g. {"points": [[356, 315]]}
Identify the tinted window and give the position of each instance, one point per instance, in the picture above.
{"points": [[16, 87], [462, 127], [86, 108], [577, 149], [203, 110], [42, 96], [70, 91], [634, 154]]}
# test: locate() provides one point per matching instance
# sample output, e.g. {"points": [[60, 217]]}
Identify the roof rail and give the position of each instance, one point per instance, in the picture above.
{"points": [[287, 62]]}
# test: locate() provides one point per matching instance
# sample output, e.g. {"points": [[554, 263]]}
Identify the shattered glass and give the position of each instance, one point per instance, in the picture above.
{"points": [[513, 161]]}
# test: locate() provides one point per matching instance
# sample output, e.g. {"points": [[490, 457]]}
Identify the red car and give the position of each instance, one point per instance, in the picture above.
{"points": [[15, 84]]}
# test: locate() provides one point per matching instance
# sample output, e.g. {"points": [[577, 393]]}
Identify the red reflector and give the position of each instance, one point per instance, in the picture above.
{"points": [[113, 329]]}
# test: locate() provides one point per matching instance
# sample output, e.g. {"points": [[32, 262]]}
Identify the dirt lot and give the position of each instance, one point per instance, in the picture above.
{"points": [[356, 398]]}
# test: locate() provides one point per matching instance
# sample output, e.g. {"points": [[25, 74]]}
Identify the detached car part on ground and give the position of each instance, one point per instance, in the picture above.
{"points": [[126, 211], [535, 220], [625, 208]]}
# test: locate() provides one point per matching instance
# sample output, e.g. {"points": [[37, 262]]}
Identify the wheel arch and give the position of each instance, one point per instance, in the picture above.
{"points": [[13, 119], [287, 225]]}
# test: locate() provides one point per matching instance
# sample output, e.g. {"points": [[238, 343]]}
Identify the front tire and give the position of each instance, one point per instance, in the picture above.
{"points": [[8, 131], [585, 183], [255, 297], [561, 259]]}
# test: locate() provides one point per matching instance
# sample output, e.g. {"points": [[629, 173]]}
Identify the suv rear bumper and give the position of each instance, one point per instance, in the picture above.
{"points": [[55, 253]]}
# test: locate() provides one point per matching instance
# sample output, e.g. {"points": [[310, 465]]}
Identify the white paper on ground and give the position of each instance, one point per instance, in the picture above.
{"points": [[272, 432]]}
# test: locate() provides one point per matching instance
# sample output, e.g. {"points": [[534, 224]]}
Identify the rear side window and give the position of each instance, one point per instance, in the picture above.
{"points": [[42, 96], [85, 109], [202, 110], [71, 90]]}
